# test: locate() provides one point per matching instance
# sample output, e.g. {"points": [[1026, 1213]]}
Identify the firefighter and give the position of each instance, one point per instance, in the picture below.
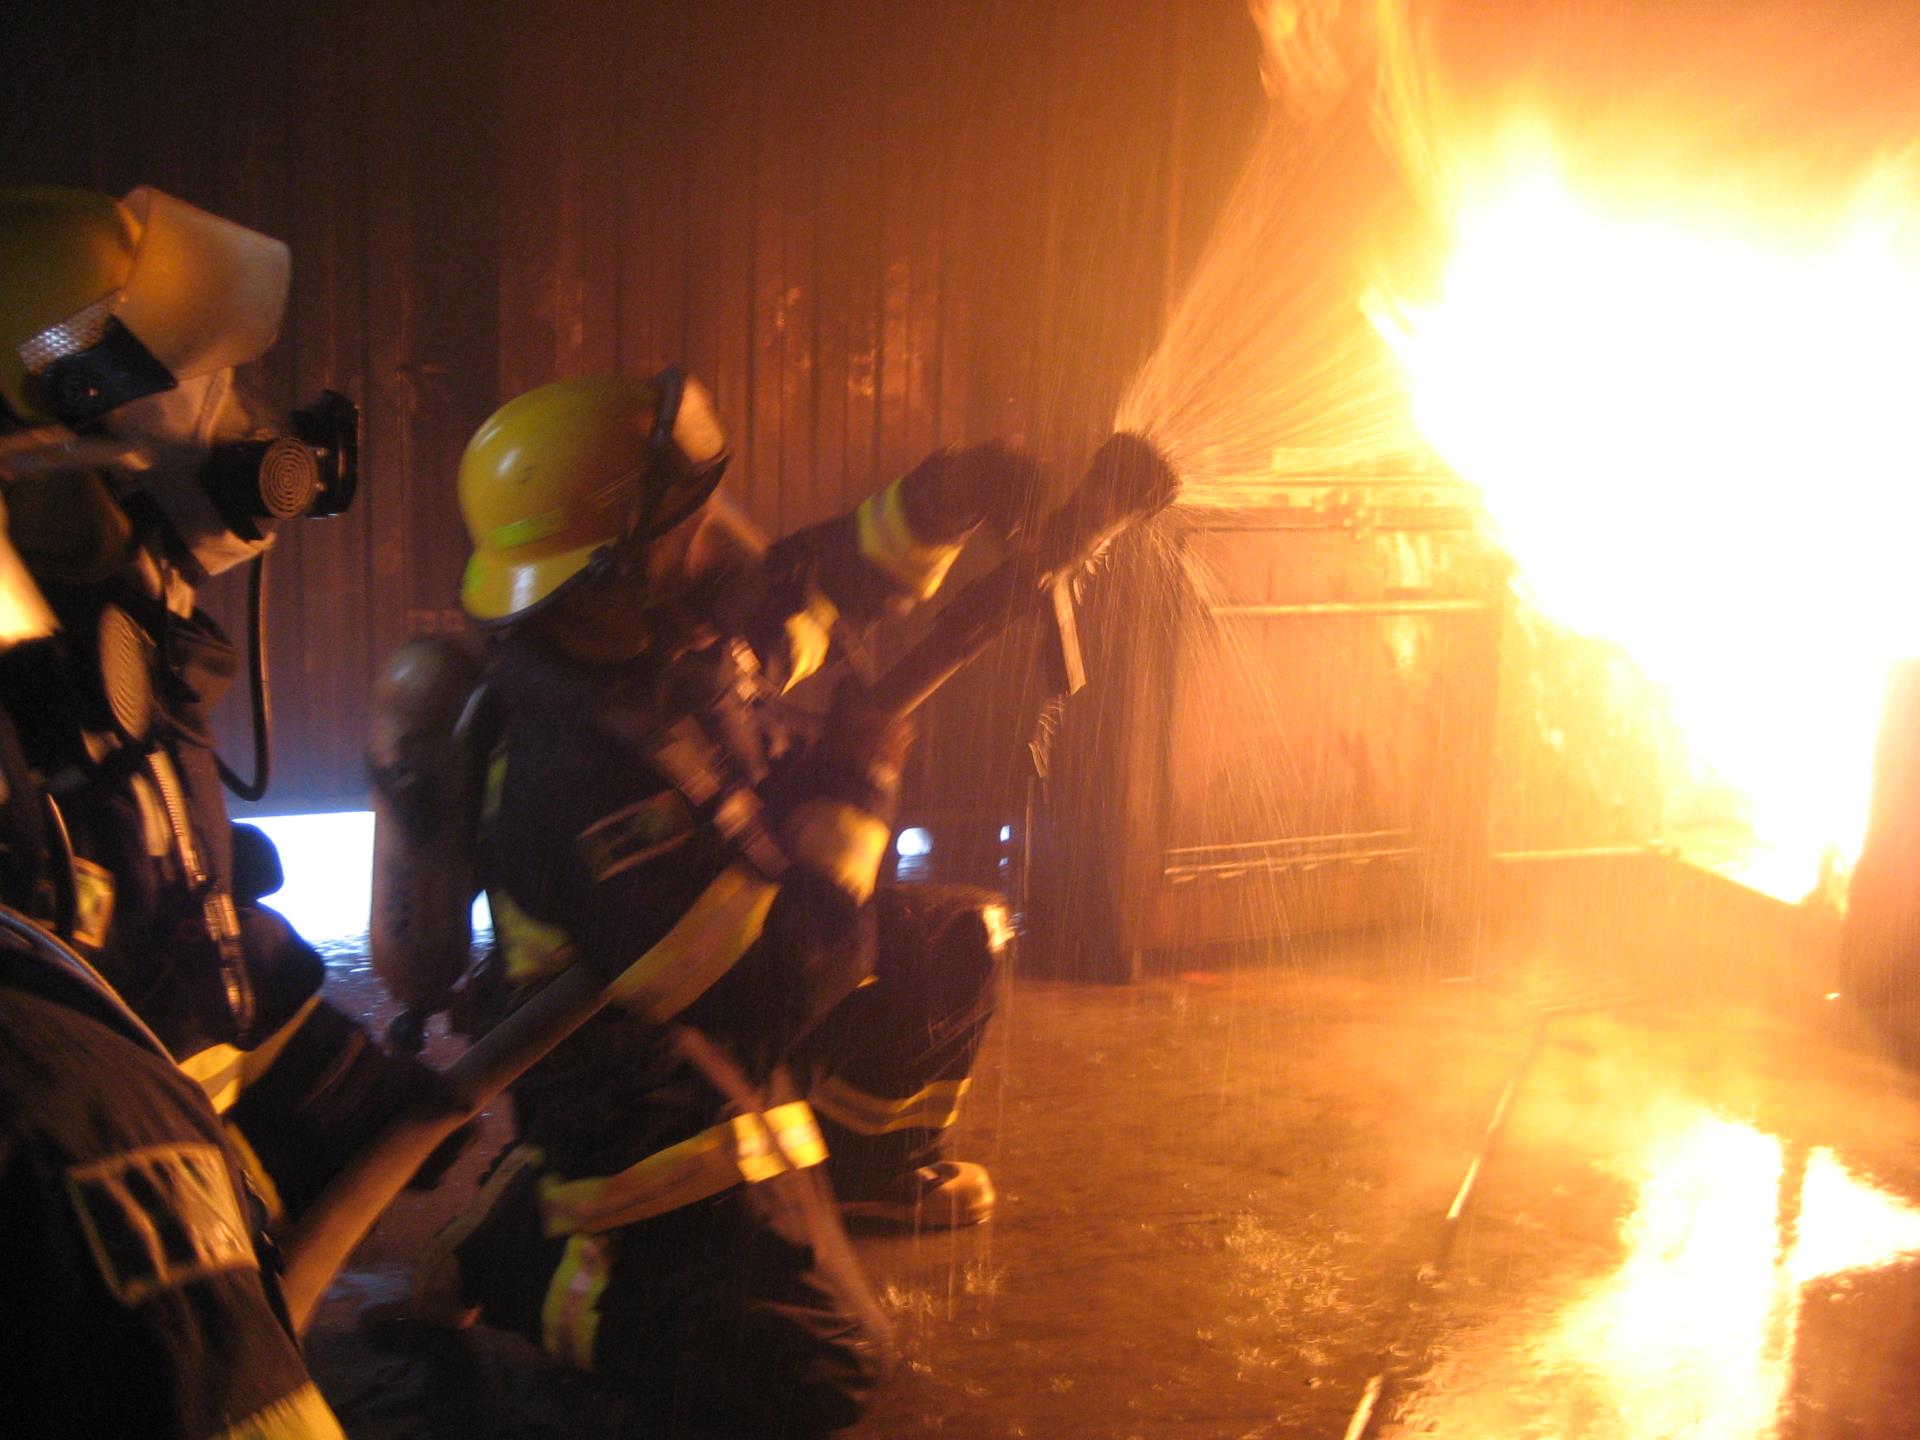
{"points": [[654, 811], [135, 467], [140, 1295]]}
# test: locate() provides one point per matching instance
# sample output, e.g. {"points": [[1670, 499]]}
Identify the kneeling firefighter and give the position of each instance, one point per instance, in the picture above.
{"points": [[784, 1045]]}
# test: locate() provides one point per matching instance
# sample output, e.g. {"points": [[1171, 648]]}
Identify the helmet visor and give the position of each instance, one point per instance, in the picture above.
{"points": [[201, 295], [689, 455]]}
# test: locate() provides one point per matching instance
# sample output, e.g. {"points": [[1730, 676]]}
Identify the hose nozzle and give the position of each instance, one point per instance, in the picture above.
{"points": [[1127, 481]]}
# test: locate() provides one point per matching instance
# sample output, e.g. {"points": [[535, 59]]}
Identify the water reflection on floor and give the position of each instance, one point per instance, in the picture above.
{"points": [[1733, 1237], [1222, 1218]]}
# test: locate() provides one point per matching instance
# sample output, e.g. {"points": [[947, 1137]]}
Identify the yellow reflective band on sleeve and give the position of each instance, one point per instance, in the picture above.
{"points": [[303, 1415], [718, 928], [795, 1134], [534, 949], [809, 638], [225, 1071], [887, 543], [570, 1315], [841, 841], [934, 1108], [160, 1217], [742, 1149]]}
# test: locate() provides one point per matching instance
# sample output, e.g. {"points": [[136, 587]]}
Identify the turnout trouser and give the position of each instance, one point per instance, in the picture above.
{"points": [[741, 1315], [743, 1312], [887, 1070]]}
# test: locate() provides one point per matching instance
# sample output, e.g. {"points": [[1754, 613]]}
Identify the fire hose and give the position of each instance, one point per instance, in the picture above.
{"points": [[1127, 481]]}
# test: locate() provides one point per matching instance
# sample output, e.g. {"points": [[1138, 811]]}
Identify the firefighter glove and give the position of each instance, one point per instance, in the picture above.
{"points": [[952, 491]]}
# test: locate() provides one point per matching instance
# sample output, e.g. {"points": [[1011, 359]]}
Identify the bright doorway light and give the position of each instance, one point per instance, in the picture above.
{"points": [[328, 860]]}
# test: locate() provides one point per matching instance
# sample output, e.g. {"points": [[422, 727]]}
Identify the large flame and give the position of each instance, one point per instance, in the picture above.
{"points": [[1694, 412], [1651, 277]]}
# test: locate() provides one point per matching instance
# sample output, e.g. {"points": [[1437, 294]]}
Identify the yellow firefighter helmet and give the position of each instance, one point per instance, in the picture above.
{"points": [[580, 474], [104, 301]]}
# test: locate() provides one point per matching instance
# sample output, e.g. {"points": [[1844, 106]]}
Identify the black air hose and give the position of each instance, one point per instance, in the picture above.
{"points": [[258, 692]]}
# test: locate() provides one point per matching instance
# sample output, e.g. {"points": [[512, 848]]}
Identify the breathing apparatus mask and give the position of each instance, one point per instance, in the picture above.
{"points": [[224, 468]]}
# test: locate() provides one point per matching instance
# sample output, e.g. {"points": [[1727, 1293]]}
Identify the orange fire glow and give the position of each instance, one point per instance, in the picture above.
{"points": [[1694, 412]]}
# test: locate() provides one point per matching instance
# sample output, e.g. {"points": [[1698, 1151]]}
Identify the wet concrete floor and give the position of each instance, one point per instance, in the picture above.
{"points": [[1224, 1216]]}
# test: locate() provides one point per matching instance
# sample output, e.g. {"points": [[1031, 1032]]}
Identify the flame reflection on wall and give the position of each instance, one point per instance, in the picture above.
{"points": [[1693, 1336]]}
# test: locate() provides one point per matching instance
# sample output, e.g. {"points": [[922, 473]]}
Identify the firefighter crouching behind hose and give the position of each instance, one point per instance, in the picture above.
{"points": [[135, 466], [783, 1046]]}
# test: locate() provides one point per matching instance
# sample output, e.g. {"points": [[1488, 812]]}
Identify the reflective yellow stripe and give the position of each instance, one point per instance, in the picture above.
{"points": [[809, 638], [934, 1108], [92, 902], [534, 949], [999, 927], [842, 842], [570, 1316], [216, 1070], [887, 543], [159, 1217], [743, 1148], [676, 1176], [224, 1071], [495, 784], [303, 1415], [797, 1135], [718, 928]]}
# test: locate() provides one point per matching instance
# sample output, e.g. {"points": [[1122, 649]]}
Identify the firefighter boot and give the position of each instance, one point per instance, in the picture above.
{"points": [[437, 1307], [888, 1070], [942, 1196]]}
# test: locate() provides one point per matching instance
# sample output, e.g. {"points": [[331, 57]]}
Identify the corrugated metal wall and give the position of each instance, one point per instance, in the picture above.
{"points": [[874, 227]]}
